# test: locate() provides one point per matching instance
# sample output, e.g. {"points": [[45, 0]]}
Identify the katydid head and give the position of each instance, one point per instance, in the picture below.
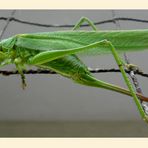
{"points": [[2, 54], [7, 44], [6, 47]]}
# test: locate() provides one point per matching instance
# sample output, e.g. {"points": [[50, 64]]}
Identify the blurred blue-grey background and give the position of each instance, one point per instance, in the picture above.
{"points": [[52, 105]]}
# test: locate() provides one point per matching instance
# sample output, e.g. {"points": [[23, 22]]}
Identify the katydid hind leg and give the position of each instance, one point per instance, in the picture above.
{"points": [[58, 54], [52, 55]]}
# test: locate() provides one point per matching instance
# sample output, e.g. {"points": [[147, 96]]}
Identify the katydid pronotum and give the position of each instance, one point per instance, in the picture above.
{"points": [[58, 51]]}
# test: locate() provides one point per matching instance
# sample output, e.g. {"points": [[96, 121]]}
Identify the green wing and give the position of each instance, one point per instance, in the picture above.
{"points": [[122, 40]]}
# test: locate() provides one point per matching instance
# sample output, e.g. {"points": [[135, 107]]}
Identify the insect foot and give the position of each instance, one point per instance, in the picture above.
{"points": [[132, 67], [145, 118], [23, 82]]}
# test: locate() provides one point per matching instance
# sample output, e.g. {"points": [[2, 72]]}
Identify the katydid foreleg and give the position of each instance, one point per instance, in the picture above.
{"points": [[19, 67]]}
